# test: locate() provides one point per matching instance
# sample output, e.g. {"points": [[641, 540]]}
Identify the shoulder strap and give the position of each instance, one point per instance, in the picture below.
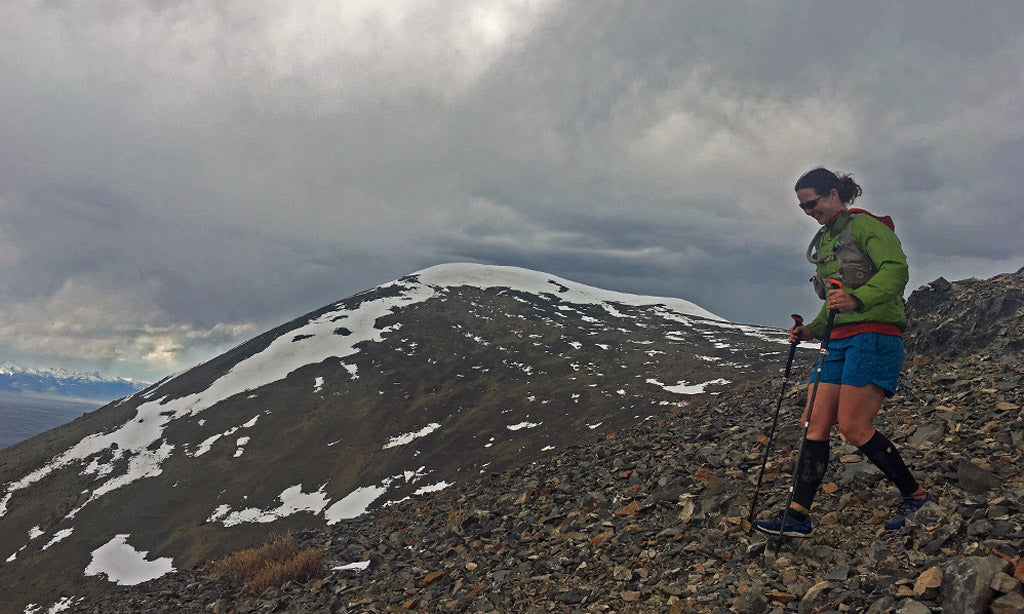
{"points": [[885, 219]]}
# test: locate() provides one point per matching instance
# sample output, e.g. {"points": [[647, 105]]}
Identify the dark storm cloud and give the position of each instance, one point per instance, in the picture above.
{"points": [[177, 175]]}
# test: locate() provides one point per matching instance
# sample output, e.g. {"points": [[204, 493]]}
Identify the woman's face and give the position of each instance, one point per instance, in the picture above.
{"points": [[821, 208]]}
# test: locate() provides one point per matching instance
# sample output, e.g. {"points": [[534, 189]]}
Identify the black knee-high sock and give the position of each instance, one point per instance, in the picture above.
{"points": [[811, 471], [886, 457]]}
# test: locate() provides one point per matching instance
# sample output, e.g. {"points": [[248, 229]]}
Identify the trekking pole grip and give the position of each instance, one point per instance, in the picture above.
{"points": [[835, 284], [798, 320]]}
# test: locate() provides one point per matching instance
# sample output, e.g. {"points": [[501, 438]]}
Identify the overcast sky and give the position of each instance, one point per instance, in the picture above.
{"points": [[179, 176]]}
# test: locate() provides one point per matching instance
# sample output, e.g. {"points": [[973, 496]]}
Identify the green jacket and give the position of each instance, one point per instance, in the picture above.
{"points": [[881, 298]]}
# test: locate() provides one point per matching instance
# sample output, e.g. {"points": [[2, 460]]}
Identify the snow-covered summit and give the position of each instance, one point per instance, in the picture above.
{"points": [[65, 383], [7, 368], [525, 280]]}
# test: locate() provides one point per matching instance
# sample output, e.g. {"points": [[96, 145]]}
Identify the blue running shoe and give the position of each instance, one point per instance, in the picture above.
{"points": [[908, 507], [793, 528]]}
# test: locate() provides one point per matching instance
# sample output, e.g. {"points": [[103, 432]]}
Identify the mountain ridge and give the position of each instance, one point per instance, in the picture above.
{"points": [[66, 383], [334, 413]]}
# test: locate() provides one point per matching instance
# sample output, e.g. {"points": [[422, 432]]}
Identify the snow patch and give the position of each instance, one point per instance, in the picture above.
{"points": [[207, 443], [61, 605], [523, 425], [406, 438], [433, 487], [59, 536], [124, 565], [686, 388], [293, 501], [354, 504]]}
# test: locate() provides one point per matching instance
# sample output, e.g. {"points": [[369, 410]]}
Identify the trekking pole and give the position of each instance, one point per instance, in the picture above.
{"points": [[819, 363], [799, 320]]}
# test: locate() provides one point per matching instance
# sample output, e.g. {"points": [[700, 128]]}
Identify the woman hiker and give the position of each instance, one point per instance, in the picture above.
{"points": [[865, 351]]}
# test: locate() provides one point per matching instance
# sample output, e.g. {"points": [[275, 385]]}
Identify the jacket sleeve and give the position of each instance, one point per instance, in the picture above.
{"points": [[883, 247]]}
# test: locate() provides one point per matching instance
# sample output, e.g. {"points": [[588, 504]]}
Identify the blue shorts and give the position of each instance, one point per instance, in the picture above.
{"points": [[867, 358]]}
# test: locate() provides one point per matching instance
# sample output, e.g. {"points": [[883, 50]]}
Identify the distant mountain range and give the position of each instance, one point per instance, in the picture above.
{"points": [[437, 378], [66, 384]]}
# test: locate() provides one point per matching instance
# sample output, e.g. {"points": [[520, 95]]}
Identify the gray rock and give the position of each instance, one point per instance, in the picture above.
{"points": [[839, 574], [1011, 603], [815, 599], [974, 479], [882, 605], [571, 597], [913, 607], [930, 433], [967, 584], [979, 528], [1005, 583], [752, 601]]}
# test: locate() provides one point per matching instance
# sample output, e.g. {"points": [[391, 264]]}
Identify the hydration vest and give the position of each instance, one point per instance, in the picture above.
{"points": [[855, 266]]}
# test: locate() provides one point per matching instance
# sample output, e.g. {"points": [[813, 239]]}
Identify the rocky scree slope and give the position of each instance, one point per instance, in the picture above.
{"points": [[425, 382], [971, 315], [651, 518]]}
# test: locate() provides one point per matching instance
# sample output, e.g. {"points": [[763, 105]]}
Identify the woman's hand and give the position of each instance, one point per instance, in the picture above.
{"points": [[839, 299], [801, 333]]}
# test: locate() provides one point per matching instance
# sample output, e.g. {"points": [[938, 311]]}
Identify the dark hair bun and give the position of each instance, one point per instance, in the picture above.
{"points": [[848, 189]]}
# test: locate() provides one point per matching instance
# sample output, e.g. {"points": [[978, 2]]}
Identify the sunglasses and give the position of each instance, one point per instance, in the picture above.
{"points": [[807, 206]]}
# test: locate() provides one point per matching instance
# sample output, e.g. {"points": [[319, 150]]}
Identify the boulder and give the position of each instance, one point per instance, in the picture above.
{"points": [[967, 584]]}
